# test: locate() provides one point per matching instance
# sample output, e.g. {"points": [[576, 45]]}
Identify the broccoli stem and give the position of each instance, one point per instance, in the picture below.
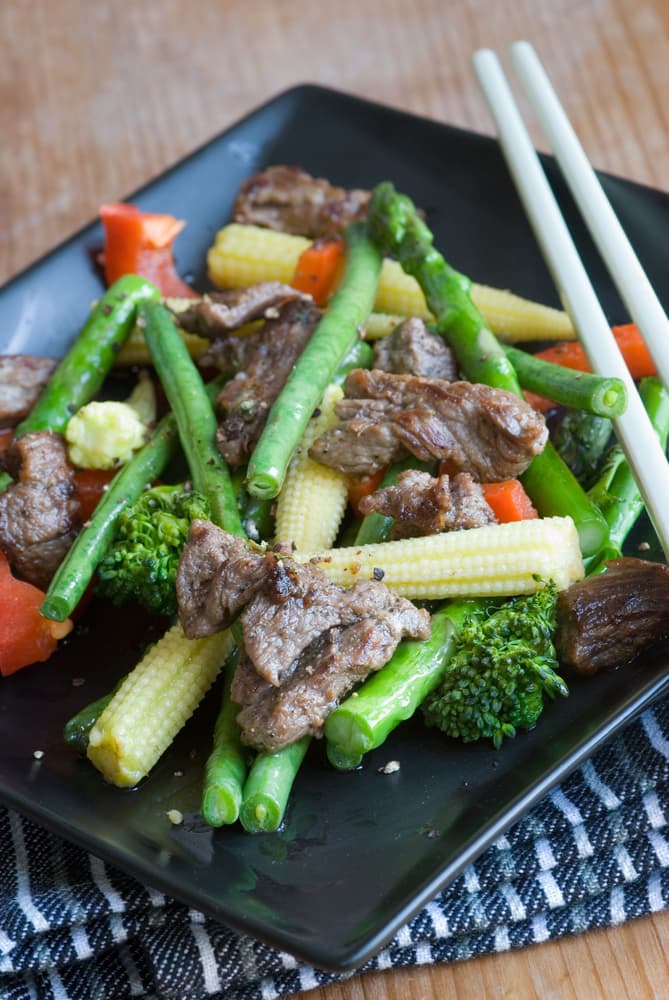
{"points": [[396, 228], [225, 770], [194, 415], [605, 397], [331, 340], [365, 719], [77, 568], [81, 372], [268, 787], [616, 491], [377, 527]]}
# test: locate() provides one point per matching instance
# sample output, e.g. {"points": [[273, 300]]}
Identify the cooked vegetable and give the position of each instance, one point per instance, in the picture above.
{"points": [[104, 435], [268, 787], [92, 484], [616, 490], [331, 340], [553, 383], [141, 563], [581, 440], [82, 371], [397, 228], [361, 355], [318, 268], [225, 770], [244, 255], [153, 703], [141, 243], [26, 637], [194, 415], [77, 569], [509, 501], [498, 559], [629, 340], [77, 729], [365, 719], [312, 501], [503, 666]]}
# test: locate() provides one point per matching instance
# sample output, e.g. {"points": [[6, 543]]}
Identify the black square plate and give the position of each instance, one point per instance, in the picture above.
{"points": [[360, 853]]}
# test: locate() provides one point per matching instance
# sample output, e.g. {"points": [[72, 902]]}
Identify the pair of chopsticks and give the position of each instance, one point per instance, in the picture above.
{"points": [[633, 429]]}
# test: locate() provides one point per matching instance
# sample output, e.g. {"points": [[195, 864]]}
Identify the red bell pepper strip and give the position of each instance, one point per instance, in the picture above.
{"points": [[318, 268], [509, 501], [25, 636], [631, 343], [91, 484], [141, 243]]}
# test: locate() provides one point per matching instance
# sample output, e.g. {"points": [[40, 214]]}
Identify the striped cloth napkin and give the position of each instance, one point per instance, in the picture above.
{"points": [[593, 853]]}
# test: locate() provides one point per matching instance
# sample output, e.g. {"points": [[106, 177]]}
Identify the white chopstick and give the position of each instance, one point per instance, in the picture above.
{"points": [[633, 429], [629, 276]]}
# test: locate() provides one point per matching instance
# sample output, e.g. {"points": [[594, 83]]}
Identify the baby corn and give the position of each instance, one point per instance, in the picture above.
{"points": [[313, 498], [153, 703], [243, 255], [495, 560]]}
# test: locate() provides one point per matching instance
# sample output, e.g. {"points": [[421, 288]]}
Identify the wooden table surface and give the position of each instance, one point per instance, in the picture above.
{"points": [[97, 97]]}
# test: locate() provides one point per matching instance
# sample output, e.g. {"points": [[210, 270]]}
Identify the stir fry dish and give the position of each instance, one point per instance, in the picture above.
{"points": [[347, 480]]}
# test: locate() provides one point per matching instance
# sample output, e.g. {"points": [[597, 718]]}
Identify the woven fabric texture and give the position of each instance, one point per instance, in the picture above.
{"points": [[593, 853]]}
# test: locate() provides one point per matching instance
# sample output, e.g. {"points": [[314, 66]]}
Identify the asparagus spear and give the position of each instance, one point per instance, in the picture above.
{"points": [[396, 228]]}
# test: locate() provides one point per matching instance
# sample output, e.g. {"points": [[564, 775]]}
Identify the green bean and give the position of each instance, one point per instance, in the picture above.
{"points": [[268, 787], [361, 355], [331, 340], [194, 415], [225, 770], [76, 730], [82, 371], [616, 491], [77, 568], [79, 374], [397, 228], [365, 719], [605, 397]]}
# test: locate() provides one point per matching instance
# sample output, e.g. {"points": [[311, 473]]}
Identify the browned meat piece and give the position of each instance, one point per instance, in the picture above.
{"points": [[220, 312], [490, 433], [22, 378], [297, 604], [292, 201], [306, 640], [606, 619], [217, 576], [245, 400], [39, 514], [422, 504], [411, 349], [327, 670]]}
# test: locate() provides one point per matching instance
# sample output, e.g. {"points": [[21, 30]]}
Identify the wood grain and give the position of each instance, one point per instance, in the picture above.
{"points": [[97, 97]]}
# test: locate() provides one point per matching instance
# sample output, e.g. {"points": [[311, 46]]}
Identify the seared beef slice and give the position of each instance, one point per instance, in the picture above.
{"points": [[490, 433], [411, 349], [422, 504], [246, 400], [291, 201], [608, 618], [39, 514], [22, 378], [307, 641]]}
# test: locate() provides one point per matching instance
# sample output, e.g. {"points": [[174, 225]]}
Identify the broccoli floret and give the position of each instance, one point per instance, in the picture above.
{"points": [[503, 665], [141, 563]]}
